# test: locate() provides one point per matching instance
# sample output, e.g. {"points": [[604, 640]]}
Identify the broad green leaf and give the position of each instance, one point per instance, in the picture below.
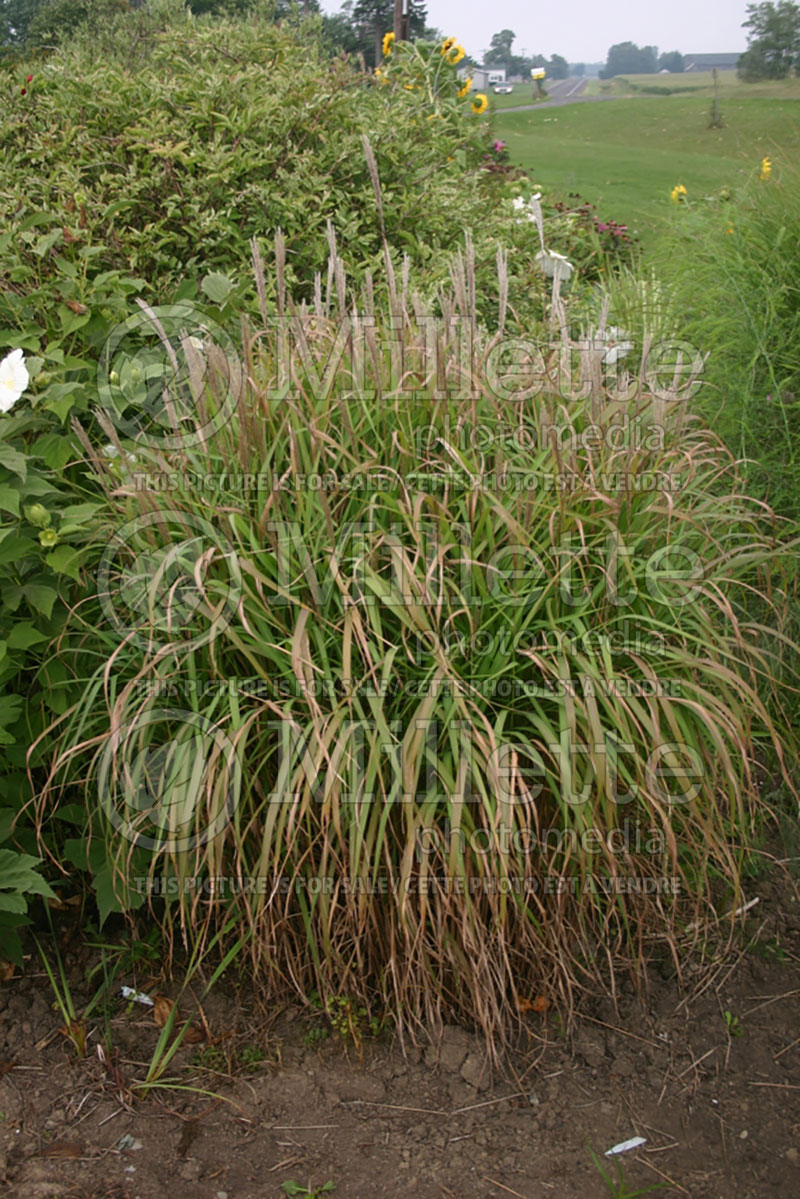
{"points": [[13, 460], [64, 560], [24, 635], [217, 287], [9, 499]]}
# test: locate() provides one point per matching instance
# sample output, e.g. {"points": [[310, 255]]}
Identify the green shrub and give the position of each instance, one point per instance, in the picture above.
{"points": [[57, 21], [139, 160], [163, 143]]}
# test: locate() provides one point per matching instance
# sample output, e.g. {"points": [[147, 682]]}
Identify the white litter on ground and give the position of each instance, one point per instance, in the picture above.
{"points": [[624, 1146]]}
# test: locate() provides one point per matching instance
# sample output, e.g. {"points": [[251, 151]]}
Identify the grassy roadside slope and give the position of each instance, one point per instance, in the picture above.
{"points": [[625, 157]]}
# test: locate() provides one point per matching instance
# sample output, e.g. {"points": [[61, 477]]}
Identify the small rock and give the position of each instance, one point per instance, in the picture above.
{"points": [[792, 1156], [475, 1071], [743, 1135], [623, 1067], [461, 1093], [454, 1048], [128, 1142], [191, 1169]]}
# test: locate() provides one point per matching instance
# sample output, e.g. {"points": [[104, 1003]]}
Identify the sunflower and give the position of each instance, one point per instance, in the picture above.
{"points": [[480, 103], [455, 54], [447, 45], [388, 42], [463, 91]]}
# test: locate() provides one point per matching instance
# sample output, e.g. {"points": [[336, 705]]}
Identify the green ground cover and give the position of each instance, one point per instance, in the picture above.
{"points": [[626, 156]]}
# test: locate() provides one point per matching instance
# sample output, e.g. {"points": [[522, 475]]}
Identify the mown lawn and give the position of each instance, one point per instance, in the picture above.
{"points": [[626, 156]]}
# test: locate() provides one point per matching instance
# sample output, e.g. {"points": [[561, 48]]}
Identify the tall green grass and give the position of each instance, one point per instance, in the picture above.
{"points": [[732, 269], [424, 710]]}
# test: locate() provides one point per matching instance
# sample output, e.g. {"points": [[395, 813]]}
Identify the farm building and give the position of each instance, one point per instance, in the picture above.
{"points": [[708, 62]]}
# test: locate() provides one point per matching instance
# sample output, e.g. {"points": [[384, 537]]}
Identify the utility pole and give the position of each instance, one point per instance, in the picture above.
{"points": [[402, 20], [716, 120]]}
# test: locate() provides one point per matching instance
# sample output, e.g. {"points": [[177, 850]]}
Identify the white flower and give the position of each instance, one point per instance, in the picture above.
{"points": [[527, 208], [555, 265], [111, 451], [14, 378]]}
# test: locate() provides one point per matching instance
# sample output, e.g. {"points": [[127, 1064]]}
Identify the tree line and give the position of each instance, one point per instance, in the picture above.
{"points": [[773, 47]]}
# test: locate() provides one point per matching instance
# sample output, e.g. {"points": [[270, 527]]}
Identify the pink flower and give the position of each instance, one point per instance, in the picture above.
{"points": [[498, 146]]}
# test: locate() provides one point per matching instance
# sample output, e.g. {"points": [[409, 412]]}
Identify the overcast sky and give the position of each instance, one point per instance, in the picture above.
{"points": [[583, 30]]}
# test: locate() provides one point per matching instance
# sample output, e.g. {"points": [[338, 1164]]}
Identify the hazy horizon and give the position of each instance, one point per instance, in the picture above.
{"points": [[583, 30]]}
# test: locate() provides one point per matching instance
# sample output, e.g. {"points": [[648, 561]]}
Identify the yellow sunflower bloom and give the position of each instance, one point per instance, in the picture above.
{"points": [[678, 193], [766, 169], [447, 45], [388, 42], [466, 89], [480, 103], [455, 54]]}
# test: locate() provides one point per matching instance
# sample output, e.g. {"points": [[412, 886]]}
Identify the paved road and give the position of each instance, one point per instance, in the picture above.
{"points": [[561, 91]]}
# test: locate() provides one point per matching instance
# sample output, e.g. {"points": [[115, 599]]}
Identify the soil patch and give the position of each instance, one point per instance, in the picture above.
{"points": [[711, 1080]]}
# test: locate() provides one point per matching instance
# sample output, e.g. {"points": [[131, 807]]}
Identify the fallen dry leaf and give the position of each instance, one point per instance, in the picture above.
{"points": [[539, 1004], [77, 308], [5, 1067], [63, 1149], [162, 1008], [55, 901], [6, 971], [194, 1035]]}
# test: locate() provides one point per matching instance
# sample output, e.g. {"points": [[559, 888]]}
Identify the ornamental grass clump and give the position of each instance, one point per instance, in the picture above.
{"points": [[435, 671]]}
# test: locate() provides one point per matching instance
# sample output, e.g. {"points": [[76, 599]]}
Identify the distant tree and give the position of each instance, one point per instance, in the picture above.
{"points": [[338, 34], [579, 69], [15, 20], [371, 19], [56, 20], [558, 67], [626, 58], [671, 61], [499, 52], [773, 41]]}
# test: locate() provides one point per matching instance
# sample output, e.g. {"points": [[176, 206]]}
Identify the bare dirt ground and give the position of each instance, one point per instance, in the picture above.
{"points": [[716, 1095]]}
